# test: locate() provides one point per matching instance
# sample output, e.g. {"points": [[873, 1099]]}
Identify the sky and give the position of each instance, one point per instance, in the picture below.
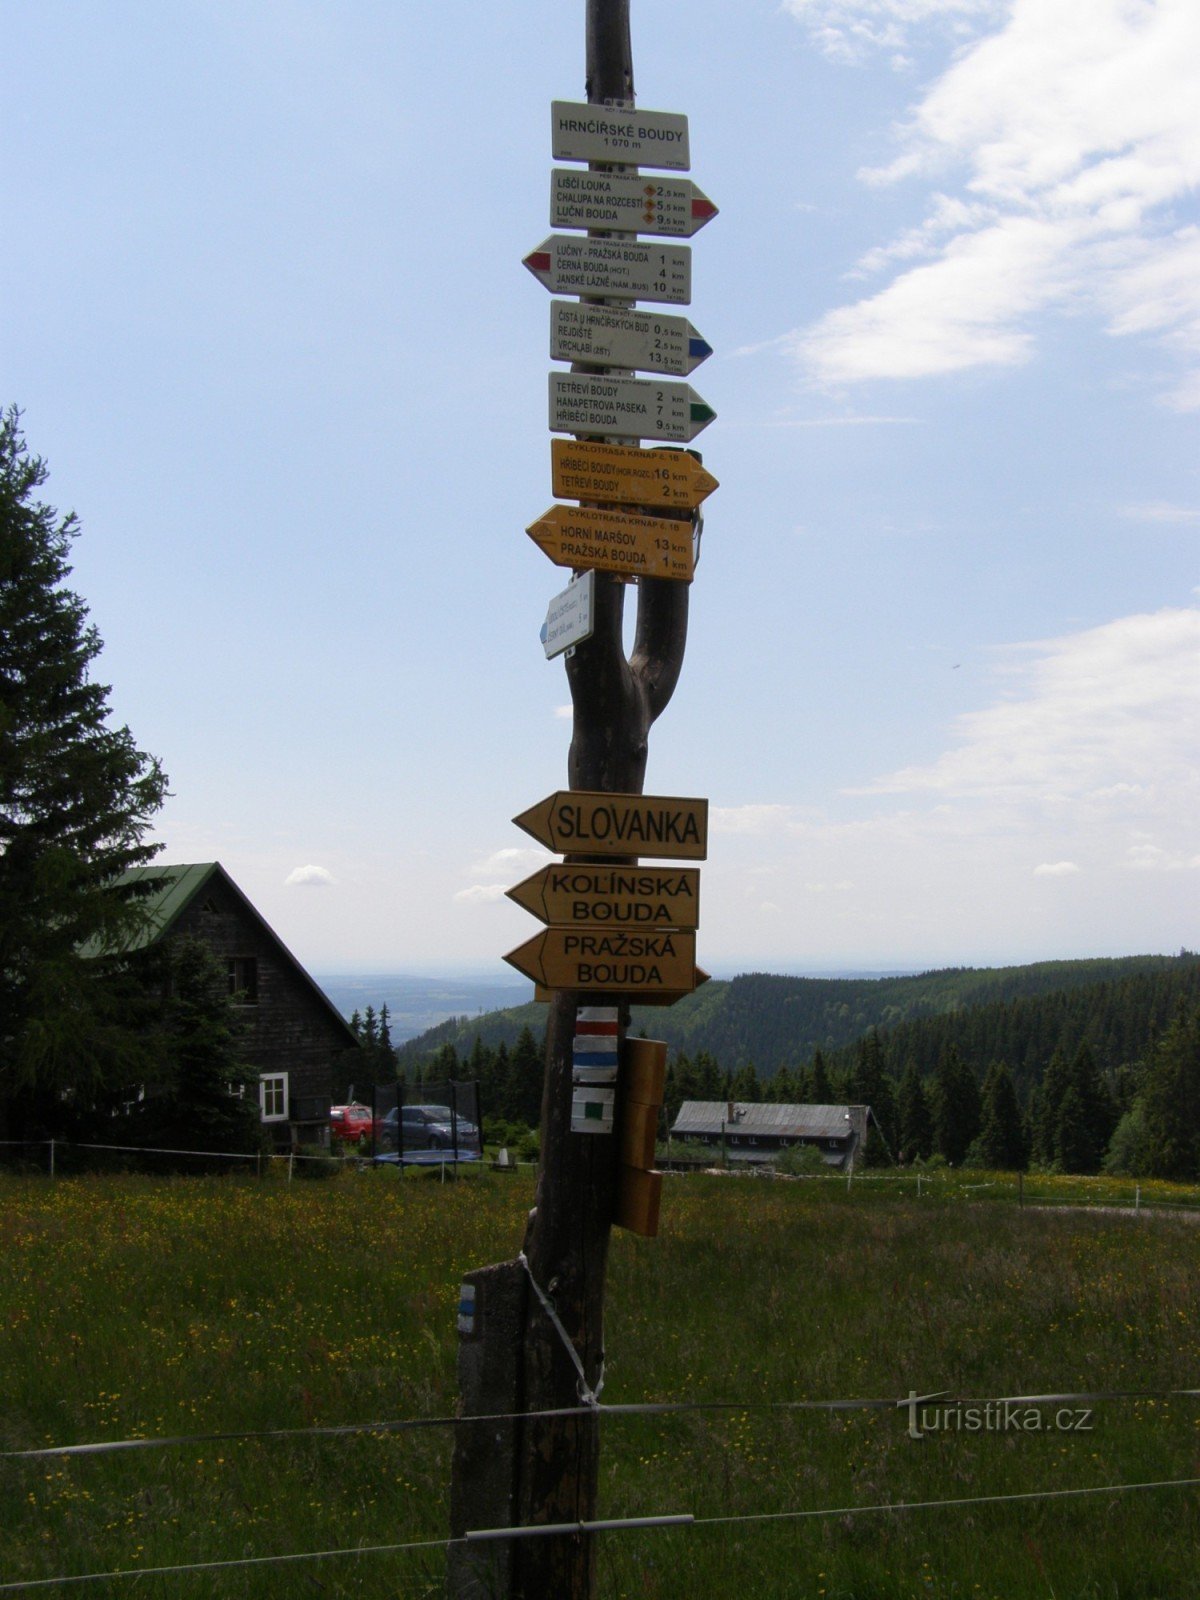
{"points": [[266, 319]]}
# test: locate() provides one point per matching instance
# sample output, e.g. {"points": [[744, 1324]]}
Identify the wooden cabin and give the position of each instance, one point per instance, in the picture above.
{"points": [[294, 1037], [758, 1132]]}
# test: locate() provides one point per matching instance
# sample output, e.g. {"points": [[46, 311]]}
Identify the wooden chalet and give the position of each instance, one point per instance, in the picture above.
{"points": [[756, 1133], [293, 1036]]}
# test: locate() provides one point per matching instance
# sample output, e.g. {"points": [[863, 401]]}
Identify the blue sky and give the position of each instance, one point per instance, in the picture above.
{"points": [[266, 317]]}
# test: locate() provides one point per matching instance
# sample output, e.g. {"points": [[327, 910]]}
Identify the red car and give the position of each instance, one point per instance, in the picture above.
{"points": [[352, 1124]]}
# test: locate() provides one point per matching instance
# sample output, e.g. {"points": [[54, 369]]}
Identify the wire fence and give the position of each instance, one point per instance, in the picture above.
{"points": [[1101, 1193]]}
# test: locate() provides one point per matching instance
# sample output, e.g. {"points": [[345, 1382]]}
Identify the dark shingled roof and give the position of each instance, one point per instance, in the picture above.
{"points": [[177, 887]]}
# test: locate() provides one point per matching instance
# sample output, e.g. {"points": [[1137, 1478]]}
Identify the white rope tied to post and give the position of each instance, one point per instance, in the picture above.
{"points": [[587, 1395]]}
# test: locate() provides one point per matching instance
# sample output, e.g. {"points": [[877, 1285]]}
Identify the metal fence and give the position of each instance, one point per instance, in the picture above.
{"points": [[426, 1123]]}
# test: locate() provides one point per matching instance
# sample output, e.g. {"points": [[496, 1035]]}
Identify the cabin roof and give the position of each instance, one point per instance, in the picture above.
{"points": [[710, 1117]]}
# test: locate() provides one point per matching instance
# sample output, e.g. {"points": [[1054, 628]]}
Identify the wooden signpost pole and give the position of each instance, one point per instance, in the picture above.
{"points": [[615, 701], [520, 1360]]}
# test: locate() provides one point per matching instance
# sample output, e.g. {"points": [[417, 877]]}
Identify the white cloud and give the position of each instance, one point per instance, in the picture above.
{"points": [[1149, 857], [513, 859], [309, 877], [1100, 715], [848, 30], [753, 819], [1160, 511], [1073, 129], [501, 870], [1056, 869], [481, 894]]}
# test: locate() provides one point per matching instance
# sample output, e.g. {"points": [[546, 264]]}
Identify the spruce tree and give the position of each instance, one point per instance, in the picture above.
{"points": [[915, 1117], [745, 1085], [1001, 1138], [525, 1073], [76, 799], [1170, 1102], [871, 1086], [201, 1103], [821, 1088], [956, 1107]]}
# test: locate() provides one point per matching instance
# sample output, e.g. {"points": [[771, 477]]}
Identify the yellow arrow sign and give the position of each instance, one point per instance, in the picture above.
{"points": [[612, 541], [587, 823], [668, 997], [616, 897], [609, 963], [616, 474]]}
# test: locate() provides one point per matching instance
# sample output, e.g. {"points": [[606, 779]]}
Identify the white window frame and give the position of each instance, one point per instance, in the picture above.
{"points": [[274, 1085]]}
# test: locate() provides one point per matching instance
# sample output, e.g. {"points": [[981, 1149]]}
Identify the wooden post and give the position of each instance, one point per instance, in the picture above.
{"points": [[553, 1473]]}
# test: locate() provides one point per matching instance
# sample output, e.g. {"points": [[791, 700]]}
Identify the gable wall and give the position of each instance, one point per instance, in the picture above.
{"points": [[287, 1029]]}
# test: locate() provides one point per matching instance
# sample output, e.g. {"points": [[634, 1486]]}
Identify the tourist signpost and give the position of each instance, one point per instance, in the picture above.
{"points": [[615, 475], [619, 924], [622, 336], [639, 408], [612, 541], [569, 616], [622, 268], [586, 895], [586, 961], [604, 824], [627, 202], [607, 133]]}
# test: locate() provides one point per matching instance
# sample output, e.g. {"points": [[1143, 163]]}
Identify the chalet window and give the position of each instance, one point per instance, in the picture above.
{"points": [[243, 979], [273, 1096]]}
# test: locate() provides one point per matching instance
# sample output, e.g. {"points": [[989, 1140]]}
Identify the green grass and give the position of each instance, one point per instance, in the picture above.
{"points": [[148, 1307]]}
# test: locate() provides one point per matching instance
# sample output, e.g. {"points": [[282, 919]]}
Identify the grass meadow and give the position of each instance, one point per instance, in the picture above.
{"points": [[143, 1307]]}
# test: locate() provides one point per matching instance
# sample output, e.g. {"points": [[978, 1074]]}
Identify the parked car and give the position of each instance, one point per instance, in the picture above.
{"points": [[352, 1124], [426, 1128]]}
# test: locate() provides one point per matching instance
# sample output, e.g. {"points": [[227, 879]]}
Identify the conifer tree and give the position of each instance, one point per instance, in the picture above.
{"points": [[710, 1082], [524, 1096], [1054, 1084], [1170, 1101], [870, 1086], [1001, 1142], [745, 1085], [820, 1088], [200, 1105], [956, 1107], [914, 1116], [76, 799]]}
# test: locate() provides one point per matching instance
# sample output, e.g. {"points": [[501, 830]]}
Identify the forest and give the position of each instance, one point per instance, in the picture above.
{"points": [[1064, 1066]]}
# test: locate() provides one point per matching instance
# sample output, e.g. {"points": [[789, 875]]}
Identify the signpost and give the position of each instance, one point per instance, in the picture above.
{"points": [[627, 202], [636, 408], [569, 617], [616, 336], [595, 823], [608, 963], [612, 541], [526, 1453], [582, 894], [616, 475], [626, 269], [625, 137]]}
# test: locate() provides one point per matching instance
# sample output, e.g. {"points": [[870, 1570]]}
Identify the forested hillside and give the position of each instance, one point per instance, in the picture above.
{"points": [[1115, 1019], [1068, 1065], [778, 1021]]}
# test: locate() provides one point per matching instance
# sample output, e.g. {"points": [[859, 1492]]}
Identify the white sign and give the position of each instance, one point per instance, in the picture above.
{"points": [[613, 336], [630, 269], [633, 202], [569, 617], [630, 138], [636, 408]]}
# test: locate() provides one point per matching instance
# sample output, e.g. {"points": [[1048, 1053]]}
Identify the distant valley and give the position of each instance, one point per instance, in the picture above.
{"points": [[416, 1004]]}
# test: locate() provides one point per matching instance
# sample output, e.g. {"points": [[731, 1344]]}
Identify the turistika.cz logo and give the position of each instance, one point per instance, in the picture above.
{"points": [[934, 1413]]}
